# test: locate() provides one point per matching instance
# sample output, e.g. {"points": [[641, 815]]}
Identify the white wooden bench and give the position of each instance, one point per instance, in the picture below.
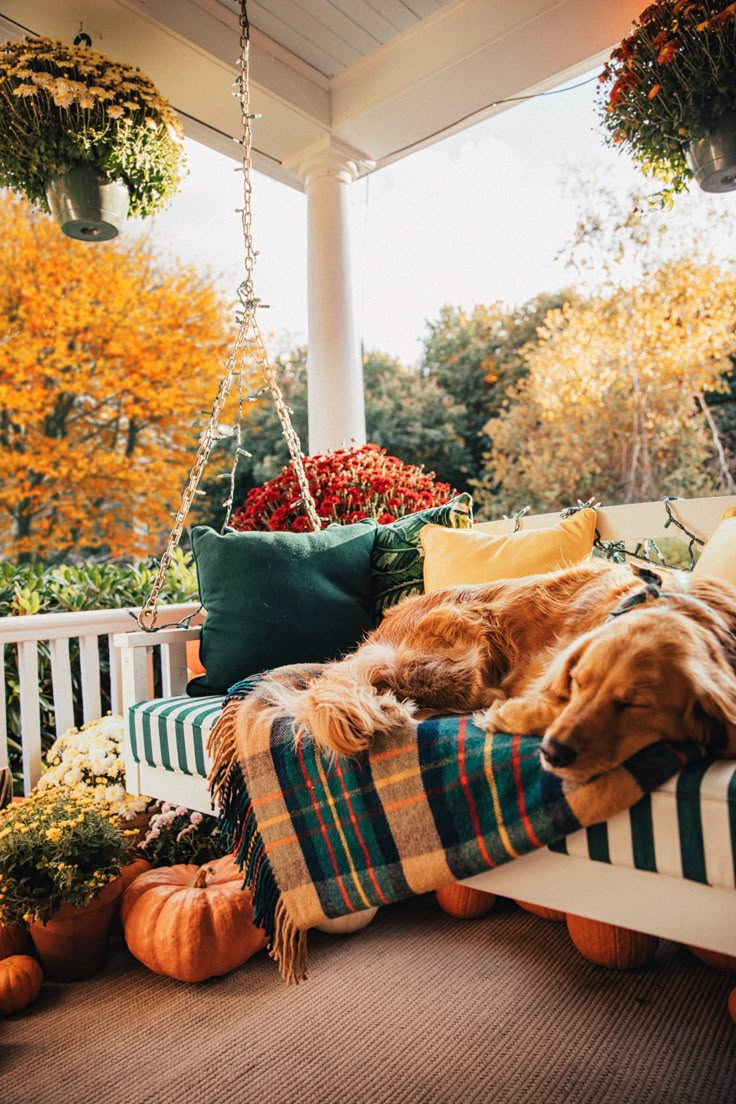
{"points": [[665, 904]]}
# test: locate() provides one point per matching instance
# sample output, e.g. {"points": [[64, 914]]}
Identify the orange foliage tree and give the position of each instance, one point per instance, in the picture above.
{"points": [[108, 363]]}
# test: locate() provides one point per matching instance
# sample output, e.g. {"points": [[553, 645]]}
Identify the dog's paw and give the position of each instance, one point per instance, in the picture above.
{"points": [[523, 716], [487, 719]]}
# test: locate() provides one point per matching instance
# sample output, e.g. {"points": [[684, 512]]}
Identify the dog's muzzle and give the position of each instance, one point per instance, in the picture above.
{"points": [[557, 754]]}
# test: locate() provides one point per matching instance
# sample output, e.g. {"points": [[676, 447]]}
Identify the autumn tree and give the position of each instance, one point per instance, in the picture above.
{"points": [[474, 357], [614, 405], [107, 364]]}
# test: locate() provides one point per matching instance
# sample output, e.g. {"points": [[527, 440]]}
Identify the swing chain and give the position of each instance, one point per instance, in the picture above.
{"points": [[250, 341], [246, 291]]}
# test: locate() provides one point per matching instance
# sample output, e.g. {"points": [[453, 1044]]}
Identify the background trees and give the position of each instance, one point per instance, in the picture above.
{"points": [[106, 364], [614, 401], [628, 389], [620, 388], [474, 357]]}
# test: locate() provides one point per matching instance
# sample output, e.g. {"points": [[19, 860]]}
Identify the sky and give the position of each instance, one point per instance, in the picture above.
{"points": [[480, 217]]}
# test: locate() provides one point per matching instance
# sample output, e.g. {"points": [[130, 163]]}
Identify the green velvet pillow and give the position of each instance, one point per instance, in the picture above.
{"points": [[396, 560], [276, 598]]}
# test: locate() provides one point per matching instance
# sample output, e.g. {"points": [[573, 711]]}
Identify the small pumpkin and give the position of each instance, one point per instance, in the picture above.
{"points": [[346, 925], [21, 978], [464, 902], [191, 922], [732, 1004], [14, 941], [609, 945], [715, 958], [540, 910]]}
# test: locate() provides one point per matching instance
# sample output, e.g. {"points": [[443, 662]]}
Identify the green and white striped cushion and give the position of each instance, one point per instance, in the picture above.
{"points": [[684, 829], [172, 733]]}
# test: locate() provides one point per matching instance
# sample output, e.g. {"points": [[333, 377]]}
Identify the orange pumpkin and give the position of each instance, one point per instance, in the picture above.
{"points": [[464, 902], [131, 870], [14, 941], [608, 945], [732, 1004], [191, 922], [540, 910], [21, 978], [715, 958]]}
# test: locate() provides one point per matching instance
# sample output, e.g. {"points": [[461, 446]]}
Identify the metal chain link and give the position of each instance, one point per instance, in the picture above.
{"points": [[248, 342]]}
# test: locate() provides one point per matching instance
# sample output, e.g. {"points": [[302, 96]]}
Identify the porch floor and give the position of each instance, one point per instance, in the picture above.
{"points": [[418, 1008]]}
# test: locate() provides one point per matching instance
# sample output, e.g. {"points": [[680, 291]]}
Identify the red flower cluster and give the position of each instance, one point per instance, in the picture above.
{"points": [[347, 485]]}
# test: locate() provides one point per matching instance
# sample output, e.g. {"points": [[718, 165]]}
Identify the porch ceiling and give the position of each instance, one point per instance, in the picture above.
{"points": [[380, 77]]}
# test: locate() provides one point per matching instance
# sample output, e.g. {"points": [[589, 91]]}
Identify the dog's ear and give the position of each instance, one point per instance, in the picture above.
{"points": [[558, 675], [713, 710]]}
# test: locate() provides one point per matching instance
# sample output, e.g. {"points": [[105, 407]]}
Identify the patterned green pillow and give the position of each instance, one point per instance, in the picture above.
{"points": [[396, 559]]}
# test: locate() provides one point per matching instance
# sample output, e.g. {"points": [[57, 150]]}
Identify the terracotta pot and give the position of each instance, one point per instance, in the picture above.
{"points": [[140, 823], [713, 159], [72, 944], [86, 205]]}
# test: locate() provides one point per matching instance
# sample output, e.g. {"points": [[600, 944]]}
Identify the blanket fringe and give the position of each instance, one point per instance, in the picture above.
{"points": [[222, 750], [289, 949], [287, 944]]}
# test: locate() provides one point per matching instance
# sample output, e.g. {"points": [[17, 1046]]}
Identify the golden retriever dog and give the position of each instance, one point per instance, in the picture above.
{"points": [[600, 660]]}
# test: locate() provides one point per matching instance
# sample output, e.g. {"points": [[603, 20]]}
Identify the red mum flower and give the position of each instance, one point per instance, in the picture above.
{"points": [[347, 485]]}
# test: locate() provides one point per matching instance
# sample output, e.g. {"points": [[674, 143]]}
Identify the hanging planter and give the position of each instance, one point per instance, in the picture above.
{"points": [[86, 205], [713, 158], [87, 138], [668, 94]]}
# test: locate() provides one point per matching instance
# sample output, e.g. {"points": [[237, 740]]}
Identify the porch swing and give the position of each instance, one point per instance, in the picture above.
{"points": [[326, 843]]}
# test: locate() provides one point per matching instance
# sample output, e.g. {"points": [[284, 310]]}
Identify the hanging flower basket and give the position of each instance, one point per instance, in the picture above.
{"points": [[713, 158], [63, 108], [668, 94]]}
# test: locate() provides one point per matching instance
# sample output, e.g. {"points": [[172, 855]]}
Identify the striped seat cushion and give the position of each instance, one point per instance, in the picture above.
{"points": [[172, 733], [685, 829]]}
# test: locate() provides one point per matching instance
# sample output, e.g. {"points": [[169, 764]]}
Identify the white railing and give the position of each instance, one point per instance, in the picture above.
{"points": [[57, 631]]}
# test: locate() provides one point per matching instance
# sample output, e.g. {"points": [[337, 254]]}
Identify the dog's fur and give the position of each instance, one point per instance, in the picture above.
{"points": [[541, 655]]}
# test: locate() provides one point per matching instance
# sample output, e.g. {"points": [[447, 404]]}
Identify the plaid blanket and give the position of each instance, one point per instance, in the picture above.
{"points": [[319, 837]]}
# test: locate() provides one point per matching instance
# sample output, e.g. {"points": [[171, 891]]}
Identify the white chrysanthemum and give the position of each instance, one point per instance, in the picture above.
{"points": [[90, 759]]}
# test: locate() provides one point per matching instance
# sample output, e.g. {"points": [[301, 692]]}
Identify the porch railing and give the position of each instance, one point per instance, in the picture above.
{"points": [[79, 684]]}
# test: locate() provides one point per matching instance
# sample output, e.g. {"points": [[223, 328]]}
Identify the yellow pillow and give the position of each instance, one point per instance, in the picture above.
{"points": [[460, 556], [718, 558]]}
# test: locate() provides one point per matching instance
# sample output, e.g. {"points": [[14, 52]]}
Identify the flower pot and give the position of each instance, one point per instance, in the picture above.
{"points": [[713, 159], [72, 944], [86, 205]]}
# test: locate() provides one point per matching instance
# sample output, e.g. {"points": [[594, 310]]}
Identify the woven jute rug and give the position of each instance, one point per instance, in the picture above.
{"points": [[418, 1008]]}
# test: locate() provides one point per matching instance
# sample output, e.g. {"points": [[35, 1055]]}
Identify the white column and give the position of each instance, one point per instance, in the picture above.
{"points": [[334, 366]]}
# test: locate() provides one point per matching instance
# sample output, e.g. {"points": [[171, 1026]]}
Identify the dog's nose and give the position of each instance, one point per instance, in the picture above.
{"points": [[557, 754]]}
